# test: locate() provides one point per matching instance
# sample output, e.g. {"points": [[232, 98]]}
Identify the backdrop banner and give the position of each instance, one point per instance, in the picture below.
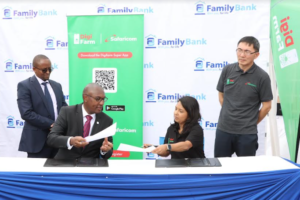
{"points": [[186, 45], [285, 41], [108, 50]]}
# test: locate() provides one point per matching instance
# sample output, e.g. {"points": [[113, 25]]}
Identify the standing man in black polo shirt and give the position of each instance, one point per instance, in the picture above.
{"points": [[243, 87]]}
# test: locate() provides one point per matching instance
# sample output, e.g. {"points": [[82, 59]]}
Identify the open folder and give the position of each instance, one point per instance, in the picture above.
{"points": [[191, 162]]}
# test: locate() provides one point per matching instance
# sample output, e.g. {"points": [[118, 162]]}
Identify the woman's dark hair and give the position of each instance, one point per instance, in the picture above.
{"points": [[190, 104]]}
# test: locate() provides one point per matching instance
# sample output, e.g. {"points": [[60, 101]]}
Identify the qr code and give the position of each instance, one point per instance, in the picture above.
{"points": [[106, 78]]}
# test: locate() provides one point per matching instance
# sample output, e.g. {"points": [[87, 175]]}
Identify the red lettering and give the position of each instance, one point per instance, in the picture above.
{"points": [[285, 34], [284, 28], [284, 19], [85, 36], [289, 41]]}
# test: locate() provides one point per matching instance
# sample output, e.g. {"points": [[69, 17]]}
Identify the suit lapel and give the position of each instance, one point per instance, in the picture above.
{"points": [[55, 90], [97, 124], [79, 119], [35, 83]]}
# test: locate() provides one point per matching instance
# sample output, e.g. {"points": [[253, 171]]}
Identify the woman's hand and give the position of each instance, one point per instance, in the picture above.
{"points": [[161, 150]]}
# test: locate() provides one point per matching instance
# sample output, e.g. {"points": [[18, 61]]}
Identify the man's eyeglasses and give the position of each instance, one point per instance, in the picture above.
{"points": [[98, 99], [50, 69], [246, 52]]}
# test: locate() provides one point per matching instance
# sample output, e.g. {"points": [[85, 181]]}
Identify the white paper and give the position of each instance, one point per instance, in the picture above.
{"points": [[109, 131], [127, 147]]}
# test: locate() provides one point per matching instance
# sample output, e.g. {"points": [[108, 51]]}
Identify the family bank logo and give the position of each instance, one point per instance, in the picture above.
{"points": [[152, 42], [207, 9], [149, 123], [106, 9], [9, 13], [148, 65], [83, 39], [156, 97], [12, 123], [66, 98], [208, 125], [10, 66], [201, 65], [101, 8], [52, 44]]}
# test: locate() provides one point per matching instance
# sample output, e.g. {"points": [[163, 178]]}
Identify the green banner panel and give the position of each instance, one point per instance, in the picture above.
{"points": [[285, 41], [108, 50]]}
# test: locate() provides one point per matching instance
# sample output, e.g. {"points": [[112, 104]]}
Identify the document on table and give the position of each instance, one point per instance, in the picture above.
{"points": [[127, 147], [109, 131]]}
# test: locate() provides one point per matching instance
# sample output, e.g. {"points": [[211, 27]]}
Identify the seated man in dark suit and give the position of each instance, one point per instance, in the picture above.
{"points": [[76, 122], [39, 100]]}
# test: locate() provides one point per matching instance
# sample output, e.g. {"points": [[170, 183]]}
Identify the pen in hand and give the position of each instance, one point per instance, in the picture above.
{"points": [[149, 145]]}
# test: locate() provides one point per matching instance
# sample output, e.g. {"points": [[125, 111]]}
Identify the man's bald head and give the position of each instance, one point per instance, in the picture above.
{"points": [[38, 58], [90, 87], [93, 98]]}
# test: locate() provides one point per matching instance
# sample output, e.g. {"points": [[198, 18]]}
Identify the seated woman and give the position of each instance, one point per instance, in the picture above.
{"points": [[184, 138]]}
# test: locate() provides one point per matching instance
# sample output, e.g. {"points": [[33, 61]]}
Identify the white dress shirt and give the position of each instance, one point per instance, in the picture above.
{"points": [[52, 94], [84, 114]]}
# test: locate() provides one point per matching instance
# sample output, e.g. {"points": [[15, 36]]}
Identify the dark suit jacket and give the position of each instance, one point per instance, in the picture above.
{"points": [[69, 123], [34, 110]]}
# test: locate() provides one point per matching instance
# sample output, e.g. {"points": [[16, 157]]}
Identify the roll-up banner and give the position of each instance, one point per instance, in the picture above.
{"points": [[285, 41], [108, 50]]}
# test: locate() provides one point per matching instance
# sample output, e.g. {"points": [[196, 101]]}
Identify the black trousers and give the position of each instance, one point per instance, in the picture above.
{"points": [[242, 144]]}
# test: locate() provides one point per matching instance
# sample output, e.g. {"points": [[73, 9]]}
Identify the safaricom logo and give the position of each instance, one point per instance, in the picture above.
{"points": [[119, 130], [115, 38]]}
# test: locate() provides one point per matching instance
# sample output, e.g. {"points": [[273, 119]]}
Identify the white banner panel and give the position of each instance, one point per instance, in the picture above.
{"points": [[187, 43]]}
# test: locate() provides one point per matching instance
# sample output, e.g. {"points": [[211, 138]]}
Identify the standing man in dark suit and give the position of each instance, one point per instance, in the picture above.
{"points": [[74, 123], [39, 102]]}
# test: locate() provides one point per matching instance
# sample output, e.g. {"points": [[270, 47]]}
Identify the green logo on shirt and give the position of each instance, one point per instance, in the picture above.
{"points": [[230, 81], [170, 140], [248, 83]]}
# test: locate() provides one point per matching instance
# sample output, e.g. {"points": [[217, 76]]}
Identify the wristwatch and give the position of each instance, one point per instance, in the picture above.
{"points": [[169, 147]]}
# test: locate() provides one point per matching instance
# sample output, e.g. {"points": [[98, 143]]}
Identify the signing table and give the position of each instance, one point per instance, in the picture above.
{"points": [[262, 177]]}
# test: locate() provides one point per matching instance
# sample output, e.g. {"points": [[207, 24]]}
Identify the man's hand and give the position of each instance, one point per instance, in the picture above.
{"points": [[51, 126], [147, 145], [106, 145], [266, 107], [221, 98], [161, 150], [78, 142]]}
